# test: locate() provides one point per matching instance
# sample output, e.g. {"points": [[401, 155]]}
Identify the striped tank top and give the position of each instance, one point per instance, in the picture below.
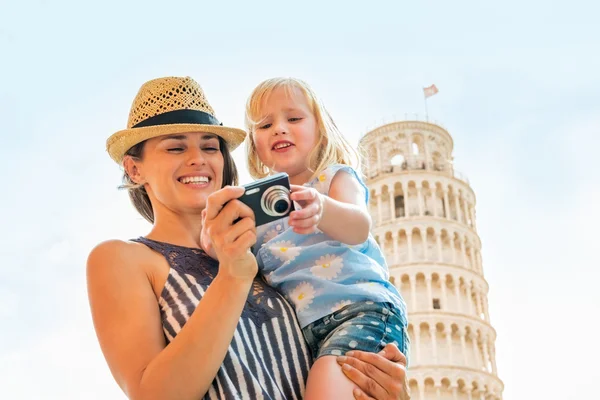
{"points": [[267, 357]]}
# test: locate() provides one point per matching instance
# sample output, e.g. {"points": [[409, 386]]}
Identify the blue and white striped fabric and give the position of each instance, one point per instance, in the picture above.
{"points": [[267, 358]]}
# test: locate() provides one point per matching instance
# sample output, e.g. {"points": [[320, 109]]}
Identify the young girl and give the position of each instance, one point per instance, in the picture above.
{"points": [[323, 257]]}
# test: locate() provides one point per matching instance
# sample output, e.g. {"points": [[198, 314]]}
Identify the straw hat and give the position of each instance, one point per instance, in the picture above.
{"points": [[167, 106]]}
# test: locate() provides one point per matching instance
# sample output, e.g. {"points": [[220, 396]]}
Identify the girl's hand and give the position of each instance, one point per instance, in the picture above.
{"points": [[307, 219]]}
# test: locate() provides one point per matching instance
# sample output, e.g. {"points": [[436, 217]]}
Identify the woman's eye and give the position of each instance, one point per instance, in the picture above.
{"points": [[175, 149], [211, 149]]}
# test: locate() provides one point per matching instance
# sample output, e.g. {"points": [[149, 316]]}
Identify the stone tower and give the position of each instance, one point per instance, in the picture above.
{"points": [[423, 215]]}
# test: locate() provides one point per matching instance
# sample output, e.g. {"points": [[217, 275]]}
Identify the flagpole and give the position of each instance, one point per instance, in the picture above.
{"points": [[426, 112]]}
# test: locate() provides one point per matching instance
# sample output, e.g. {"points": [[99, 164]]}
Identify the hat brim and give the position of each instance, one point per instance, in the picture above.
{"points": [[118, 143]]}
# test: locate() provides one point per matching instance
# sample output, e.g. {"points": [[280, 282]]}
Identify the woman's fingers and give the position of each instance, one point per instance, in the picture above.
{"points": [[217, 200], [239, 228], [367, 384], [393, 368], [378, 374], [392, 352]]}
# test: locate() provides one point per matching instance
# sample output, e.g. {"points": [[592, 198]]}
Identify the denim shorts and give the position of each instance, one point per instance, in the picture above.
{"points": [[366, 326]]}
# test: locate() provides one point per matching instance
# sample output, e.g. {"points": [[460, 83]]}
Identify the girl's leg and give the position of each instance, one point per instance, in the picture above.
{"points": [[326, 381]]}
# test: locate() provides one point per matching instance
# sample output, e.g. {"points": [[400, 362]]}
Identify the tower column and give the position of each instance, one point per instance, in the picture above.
{"points": [[486, 354], [479, 303], [476, 355], [434, 199], [420, 199], [438, 238], [395, 246], [409, 245], [424, 242], [432, 334], [392, 206], [493, 358], [417, 331], [446, 204], [454, 392], [486, 312], [444, 293], [457, 202], [457, 294], [463, 344], [406, 200], [448, 333], [379, 210], [429, 295], [453, 243], [470, 298], [413, 292]]}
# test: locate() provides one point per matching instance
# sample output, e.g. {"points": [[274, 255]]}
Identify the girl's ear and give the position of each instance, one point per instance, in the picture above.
{"points": [[133, 170]]}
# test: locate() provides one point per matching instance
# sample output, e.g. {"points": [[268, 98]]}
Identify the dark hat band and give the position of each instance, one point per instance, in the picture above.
{"points": [[185, 116]]}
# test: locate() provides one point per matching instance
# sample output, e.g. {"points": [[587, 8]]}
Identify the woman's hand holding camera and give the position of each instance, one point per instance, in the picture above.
{"points": [[230, 242], [306, 220]]}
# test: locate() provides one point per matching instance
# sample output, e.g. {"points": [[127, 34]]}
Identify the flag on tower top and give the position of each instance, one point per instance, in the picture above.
{"points": [[430, 91]]}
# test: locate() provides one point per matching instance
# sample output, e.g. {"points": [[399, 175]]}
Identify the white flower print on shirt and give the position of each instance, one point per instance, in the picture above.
{"points": [[284, 250], [371, 287], [327, 267], [271, 233], [340, 305], [302, 296]]}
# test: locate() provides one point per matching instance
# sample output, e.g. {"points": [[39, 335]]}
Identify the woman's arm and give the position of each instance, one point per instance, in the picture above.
{"points": [[128, 323]]}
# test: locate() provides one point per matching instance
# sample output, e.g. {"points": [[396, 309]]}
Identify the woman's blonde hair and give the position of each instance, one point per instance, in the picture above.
{"points": [[332, 147]]}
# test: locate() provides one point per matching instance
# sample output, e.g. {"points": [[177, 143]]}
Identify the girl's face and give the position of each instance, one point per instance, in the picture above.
{"points": [[180, 171], [286, 134]]}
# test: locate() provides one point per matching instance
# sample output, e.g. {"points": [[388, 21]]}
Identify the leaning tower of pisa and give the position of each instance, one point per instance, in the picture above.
{"points": [[423, 215]]}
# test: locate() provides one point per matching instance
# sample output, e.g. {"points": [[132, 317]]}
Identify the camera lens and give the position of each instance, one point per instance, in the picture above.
{"points": [[281, 206], [275, 201]]}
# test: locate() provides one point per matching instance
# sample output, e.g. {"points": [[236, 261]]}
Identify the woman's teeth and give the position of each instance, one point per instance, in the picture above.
{"points": [[194, 179]]}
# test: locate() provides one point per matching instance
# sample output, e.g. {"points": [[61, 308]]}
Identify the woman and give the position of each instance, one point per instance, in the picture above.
{"points": [[172, 322]]}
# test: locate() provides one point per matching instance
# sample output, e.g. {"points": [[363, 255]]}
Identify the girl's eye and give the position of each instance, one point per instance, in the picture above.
{"points": [[265, 126], [294, 119]]}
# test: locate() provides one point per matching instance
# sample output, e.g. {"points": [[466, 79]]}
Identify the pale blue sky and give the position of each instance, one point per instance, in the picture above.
{"points": [[519, 92]]}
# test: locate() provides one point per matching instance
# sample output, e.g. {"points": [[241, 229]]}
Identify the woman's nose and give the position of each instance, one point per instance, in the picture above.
{"points": [[196, 157]]}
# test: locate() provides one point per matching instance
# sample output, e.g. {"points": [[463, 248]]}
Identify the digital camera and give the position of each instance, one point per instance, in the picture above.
{"points": [[269, 198]]}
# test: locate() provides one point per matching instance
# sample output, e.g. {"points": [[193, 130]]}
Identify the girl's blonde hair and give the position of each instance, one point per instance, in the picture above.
{"points": [[332, 147]]}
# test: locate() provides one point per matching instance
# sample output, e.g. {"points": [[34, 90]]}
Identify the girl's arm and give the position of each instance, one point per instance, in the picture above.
{"points": [[342, 215]]}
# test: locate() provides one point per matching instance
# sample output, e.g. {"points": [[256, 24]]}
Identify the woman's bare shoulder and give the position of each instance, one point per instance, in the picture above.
{"points": [[118, 256]]}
